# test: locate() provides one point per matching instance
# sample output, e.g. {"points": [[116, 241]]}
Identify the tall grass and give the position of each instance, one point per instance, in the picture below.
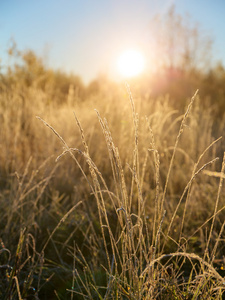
{"points": [[131, 209]]}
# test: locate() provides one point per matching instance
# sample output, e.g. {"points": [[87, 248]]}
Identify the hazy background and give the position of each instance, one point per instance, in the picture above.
{"points": [[86, 37]]}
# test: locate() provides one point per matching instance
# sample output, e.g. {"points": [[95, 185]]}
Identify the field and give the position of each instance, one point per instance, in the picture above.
{"points": [[112, 194]]}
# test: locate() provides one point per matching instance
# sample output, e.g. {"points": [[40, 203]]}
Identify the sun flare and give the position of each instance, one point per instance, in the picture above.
{"points": [[131, 63]]}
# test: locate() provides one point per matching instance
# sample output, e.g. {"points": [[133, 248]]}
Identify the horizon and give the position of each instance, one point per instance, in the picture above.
{"points": [[87, 38]]}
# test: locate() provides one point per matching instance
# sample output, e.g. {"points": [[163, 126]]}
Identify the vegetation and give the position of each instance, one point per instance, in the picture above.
{"points": [[125, 201]]}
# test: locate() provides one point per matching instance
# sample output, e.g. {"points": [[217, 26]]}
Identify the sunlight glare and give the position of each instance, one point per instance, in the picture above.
{"points": [[131, 63]]}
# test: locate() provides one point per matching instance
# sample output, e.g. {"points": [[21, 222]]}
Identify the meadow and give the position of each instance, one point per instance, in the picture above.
{"points": [[110, 192]]}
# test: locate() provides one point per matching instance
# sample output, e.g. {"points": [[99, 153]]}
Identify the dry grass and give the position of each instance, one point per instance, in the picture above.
{"points": [[130, 209]]}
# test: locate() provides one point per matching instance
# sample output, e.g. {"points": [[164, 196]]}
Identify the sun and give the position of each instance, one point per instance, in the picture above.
{"points": [[131, 63]]}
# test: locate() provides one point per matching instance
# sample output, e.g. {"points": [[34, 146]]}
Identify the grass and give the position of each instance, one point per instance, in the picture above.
{"points": [[127, 206]]}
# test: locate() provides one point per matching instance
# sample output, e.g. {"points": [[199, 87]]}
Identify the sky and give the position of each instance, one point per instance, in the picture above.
{"points": [[86, 37]]}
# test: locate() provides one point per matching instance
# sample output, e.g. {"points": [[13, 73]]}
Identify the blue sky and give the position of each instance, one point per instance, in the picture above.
{"points": [[86, 36]]}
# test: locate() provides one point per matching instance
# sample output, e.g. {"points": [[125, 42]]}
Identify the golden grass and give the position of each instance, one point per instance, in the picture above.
{"points": [[119, 217]]}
